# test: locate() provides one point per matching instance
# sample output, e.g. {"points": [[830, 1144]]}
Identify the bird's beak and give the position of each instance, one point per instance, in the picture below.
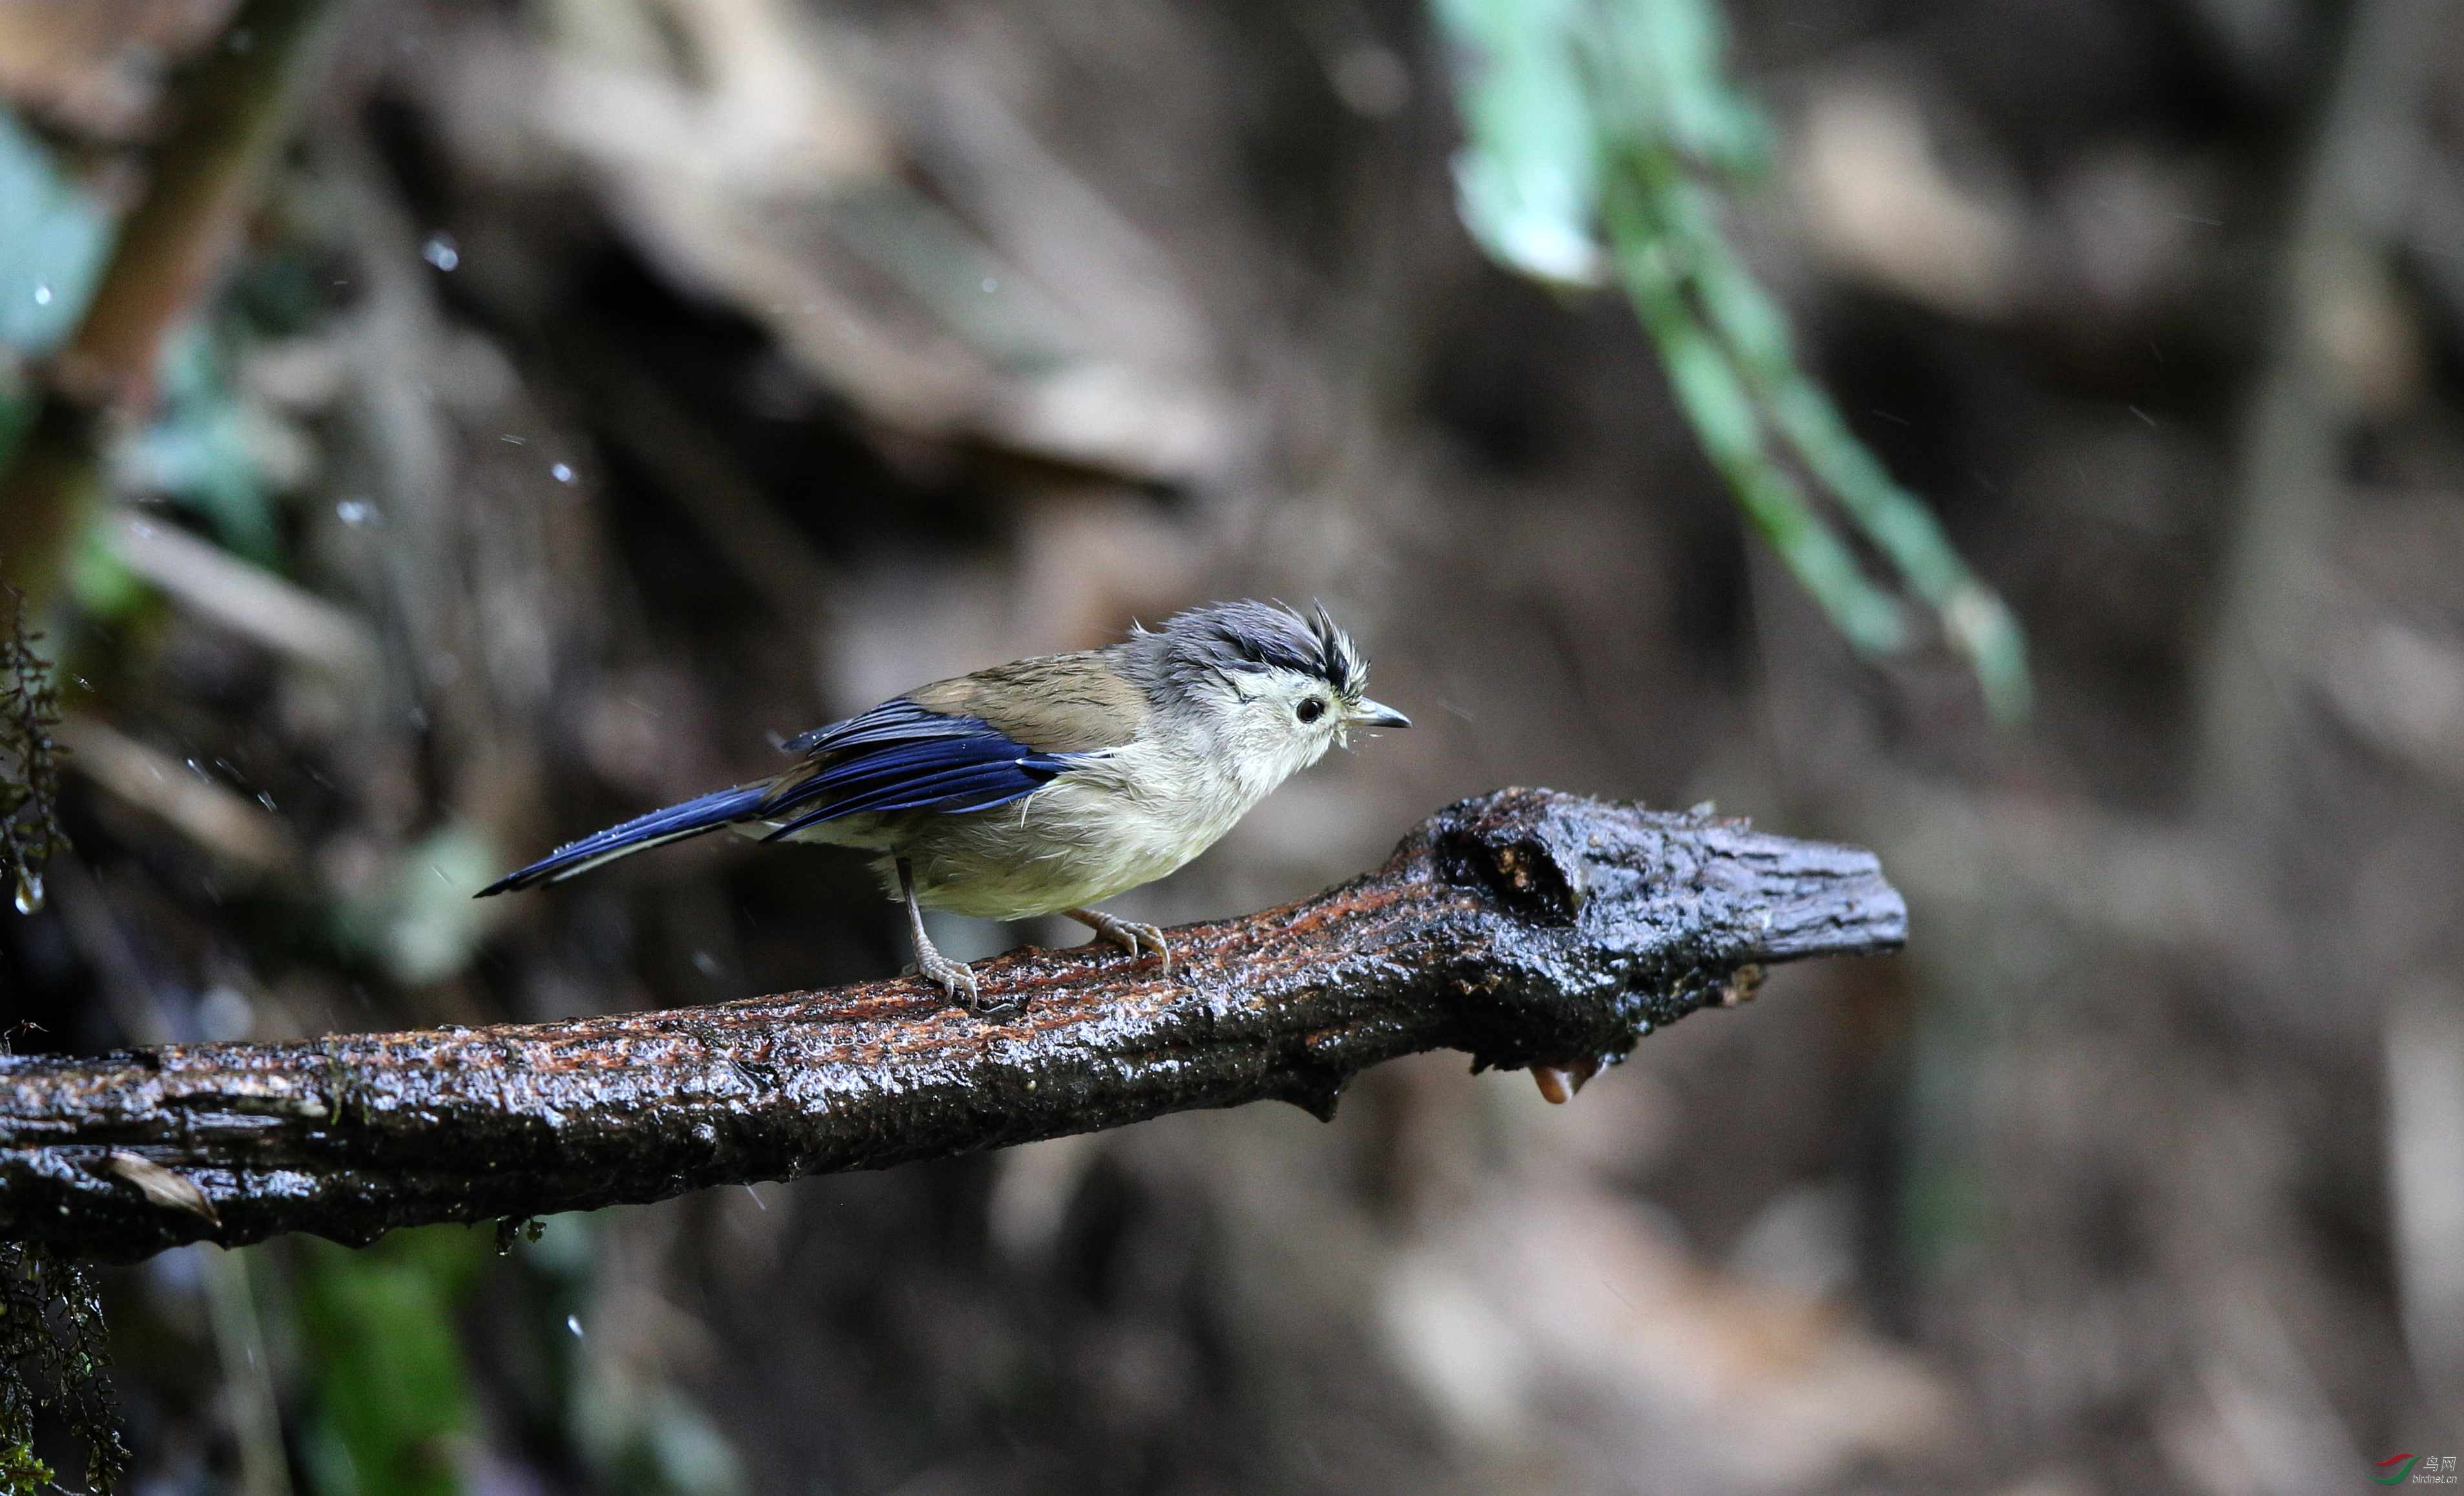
{"points": [[1370, 714]]}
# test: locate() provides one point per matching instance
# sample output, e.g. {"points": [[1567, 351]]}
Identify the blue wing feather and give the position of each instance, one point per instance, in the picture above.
{"points": [[896, 720], [902, 756], [898, 757]]}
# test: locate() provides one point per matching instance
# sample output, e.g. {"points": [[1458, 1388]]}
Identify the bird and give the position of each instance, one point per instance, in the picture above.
{"points": [[1045, 786]]}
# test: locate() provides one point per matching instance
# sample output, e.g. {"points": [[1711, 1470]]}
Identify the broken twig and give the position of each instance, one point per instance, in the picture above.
{"points": [[1528, 927]]}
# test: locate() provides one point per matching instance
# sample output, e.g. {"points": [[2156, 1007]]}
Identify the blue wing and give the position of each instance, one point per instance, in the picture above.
{"points": [[900, 756]]}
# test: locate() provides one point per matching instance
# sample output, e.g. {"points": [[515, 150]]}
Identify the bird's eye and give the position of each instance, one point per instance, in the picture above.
{"points": [[1310, 710]]}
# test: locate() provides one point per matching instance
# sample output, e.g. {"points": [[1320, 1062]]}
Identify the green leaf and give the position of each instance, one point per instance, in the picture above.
{"points": [[419, 920], [202, 451], [1727, 422], [393, 1397], [103, 586], [54, 242], [1671, 53], [1588, 118], [1527, 179]]}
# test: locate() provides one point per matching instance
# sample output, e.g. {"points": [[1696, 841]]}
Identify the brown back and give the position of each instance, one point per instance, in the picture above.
{"points": [[1054, 703]]}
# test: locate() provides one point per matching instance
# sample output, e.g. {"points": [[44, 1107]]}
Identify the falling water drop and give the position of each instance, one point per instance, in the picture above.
{"points": [[30, 890], [441, 252], [42, 292], [573, 1322], [560, 472]]}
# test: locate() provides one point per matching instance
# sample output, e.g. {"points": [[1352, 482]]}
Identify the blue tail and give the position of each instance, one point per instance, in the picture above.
{"points": [[703, 813]]}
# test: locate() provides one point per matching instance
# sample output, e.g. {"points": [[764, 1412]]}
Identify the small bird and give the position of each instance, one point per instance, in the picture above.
{"points": [[1047, 785]]}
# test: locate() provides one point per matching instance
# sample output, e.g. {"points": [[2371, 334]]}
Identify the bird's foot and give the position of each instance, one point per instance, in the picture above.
{"points": [[1128, 934], [955, 981]]}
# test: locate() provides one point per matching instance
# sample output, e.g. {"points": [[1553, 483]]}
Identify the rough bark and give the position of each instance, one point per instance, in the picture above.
{"points": [[1526, 928]]}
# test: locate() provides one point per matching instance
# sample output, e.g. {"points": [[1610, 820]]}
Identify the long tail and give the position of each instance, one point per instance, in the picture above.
{"points": [[704, 813]]}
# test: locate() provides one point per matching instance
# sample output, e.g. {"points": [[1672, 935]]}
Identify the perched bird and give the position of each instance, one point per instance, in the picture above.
{"points": [[1047, 785]]}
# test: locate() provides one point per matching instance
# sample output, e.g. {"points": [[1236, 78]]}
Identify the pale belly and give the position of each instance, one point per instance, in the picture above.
{"points": [[1071, 844]]}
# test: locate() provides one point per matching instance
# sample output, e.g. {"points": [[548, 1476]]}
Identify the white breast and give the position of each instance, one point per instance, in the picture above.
{"points": [[1098, 830]]}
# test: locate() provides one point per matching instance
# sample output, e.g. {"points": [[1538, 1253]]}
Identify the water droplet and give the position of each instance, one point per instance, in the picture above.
{"points": [[439, 250], [42, 292], [30, 890], [352, 511], [991, 285], [560, 472], [573, 1322]]}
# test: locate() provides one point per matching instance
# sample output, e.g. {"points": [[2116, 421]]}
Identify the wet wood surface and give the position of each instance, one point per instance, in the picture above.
{"points": [[1526, 928]]}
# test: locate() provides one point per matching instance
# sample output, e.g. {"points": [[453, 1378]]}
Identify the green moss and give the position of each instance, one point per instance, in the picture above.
{"points": [[53, 1353]]}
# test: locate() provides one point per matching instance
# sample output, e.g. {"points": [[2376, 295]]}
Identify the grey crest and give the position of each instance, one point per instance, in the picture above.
{"points": [[1232, 638]]}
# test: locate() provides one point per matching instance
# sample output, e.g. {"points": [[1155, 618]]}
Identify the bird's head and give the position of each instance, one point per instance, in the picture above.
{"points": [[1272, 687]]}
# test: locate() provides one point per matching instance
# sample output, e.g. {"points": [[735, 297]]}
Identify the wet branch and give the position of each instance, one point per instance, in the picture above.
{"points": [[1527, 927]]}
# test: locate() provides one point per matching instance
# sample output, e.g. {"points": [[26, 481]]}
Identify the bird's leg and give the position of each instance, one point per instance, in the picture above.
{"points": [[952, 977], [1128, 935]]}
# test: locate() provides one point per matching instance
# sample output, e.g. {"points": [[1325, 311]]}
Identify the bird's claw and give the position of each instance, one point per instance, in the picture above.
{"points": [[952, 976], [1131, 935], [1140, 939], [1149, 936]]}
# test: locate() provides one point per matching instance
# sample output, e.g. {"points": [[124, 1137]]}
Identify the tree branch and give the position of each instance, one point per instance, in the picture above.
{"points": [[1528, 927]]}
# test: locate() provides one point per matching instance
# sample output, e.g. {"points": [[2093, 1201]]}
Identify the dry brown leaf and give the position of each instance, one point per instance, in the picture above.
{"points": [[163, 1187]]}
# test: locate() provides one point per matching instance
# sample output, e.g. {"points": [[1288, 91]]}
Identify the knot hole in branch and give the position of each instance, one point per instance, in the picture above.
{"points": [[1529, 861]]}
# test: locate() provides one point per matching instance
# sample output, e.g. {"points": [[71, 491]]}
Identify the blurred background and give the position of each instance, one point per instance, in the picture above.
{"points": [[437, 430]]}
